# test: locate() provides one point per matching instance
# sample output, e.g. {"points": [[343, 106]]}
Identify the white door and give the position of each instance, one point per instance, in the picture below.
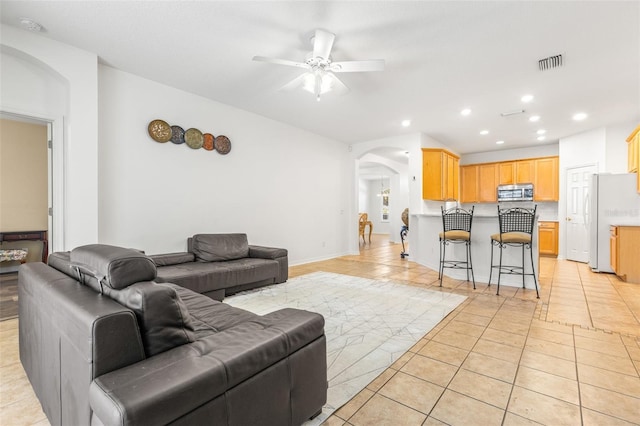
{"points": [[577, 220]]}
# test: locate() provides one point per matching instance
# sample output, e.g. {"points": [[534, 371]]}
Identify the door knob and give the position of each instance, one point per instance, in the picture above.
{"points": [[568, 219]]}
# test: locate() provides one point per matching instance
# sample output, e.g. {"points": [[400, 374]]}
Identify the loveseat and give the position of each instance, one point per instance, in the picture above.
{"points": [[218, 265], [102, 343]]}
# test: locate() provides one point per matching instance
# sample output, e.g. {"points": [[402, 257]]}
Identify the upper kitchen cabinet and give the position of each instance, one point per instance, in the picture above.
{"points": [[469, 184], [506, 173], [440, 171], [633, 150], [545, 182], [525, 171], [487, 183]]}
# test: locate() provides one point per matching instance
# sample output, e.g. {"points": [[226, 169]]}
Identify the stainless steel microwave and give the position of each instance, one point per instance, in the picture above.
{"points": [[518, 192]]}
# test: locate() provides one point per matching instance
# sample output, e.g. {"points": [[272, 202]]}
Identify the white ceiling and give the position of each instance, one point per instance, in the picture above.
{"points": [[440, 57]]}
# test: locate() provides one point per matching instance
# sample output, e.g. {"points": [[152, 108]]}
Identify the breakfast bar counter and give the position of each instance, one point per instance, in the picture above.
{"points": [[425, 250]]}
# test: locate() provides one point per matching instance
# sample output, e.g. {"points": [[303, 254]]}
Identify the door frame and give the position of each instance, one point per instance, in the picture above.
{"points": [[55, 173]]}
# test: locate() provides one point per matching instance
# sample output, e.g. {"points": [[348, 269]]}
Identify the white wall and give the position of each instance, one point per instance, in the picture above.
{"points": [[547, 150], [283, 186], [72, 76], [616, 146]]}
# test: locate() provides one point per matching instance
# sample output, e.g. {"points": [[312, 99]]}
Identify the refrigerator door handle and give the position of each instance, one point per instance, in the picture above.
{"points": [[585, 211]]}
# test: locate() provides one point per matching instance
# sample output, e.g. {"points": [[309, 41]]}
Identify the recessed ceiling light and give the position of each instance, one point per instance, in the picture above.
{"points": [[484, 132], [579, 116], [499, 142], [541, 132], [526, 98], [30, 25], [534, 118], [465, 111], [541, 138], [406, 123]]}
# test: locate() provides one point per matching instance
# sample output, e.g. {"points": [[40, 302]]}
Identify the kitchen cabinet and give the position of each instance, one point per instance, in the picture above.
{"points": [[548, 238], [525, 172], [479, 183], [469, 184], [545, 182], [507, 173], [487, 183], [633, 155], [440, 171], [624, 243]]}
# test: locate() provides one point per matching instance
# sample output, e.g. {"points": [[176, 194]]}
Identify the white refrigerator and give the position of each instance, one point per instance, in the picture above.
{"points": [[614, 201]]}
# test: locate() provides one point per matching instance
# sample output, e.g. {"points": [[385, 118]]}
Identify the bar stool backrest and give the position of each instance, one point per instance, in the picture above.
{"points": [[517, 219], [457, 219]]}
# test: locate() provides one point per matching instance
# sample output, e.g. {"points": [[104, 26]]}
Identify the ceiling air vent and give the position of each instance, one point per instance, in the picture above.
{"points": [[550, 62]]}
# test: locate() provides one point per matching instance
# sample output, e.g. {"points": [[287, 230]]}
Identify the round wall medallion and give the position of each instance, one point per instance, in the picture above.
{"points": [[193, 138], [222, 144], [177, 135], [160, 131], [208, 142]]}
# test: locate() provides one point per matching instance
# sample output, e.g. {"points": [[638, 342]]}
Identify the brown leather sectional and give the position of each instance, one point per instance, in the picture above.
{"points": [[103, 343]]}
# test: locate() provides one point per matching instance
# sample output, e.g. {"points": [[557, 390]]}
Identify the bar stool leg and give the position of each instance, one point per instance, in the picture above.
{"points": [[533, 270], [467, 263], [491, 267], [499, 269], [470, 265], [442, 260], [523, 266], [440, 264]]}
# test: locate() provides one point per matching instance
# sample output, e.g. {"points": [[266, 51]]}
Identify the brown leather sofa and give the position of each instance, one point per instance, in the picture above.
{"points": [[102, 343], [218, 265]]}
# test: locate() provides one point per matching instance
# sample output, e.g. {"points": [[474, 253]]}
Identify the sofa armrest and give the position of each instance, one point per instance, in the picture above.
{"points": [[278, 254], [168, 259], [267, 252]]}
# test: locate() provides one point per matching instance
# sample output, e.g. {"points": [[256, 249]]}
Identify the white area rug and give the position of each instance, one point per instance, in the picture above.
{"points": [[369, 323]]}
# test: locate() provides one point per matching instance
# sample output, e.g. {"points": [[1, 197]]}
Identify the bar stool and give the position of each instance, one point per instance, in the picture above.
{"points": [[456, 229], [516, 230]]}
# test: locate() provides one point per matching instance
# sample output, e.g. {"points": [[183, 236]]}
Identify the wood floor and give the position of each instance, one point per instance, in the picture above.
{"points": [[572, 357]]}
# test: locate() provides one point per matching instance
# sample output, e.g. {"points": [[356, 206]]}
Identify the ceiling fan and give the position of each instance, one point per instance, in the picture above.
{"points": [[320, 77]]}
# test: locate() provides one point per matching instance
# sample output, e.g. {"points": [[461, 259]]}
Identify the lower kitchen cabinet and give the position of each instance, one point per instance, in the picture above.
{"points": [[548, 238], [625, 252]]}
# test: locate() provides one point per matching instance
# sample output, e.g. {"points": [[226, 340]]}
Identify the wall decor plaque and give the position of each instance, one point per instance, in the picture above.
{"points": [[208, 141], [177, 135], [193, 138], [160, 131], [222, 144]]}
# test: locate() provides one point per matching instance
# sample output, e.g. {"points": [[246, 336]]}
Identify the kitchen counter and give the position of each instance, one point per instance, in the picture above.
{"points": [[425, 250]]}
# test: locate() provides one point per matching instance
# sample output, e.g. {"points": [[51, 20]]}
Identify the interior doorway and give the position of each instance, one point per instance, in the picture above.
{"points": [[577, 219], [26, 191]]}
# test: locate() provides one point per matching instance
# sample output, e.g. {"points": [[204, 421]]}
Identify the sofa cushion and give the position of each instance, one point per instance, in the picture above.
{"points": [[210, 316], [163, 317], [169, 259], [115, 267], [251, 270], [219, 247], [198, 277]]}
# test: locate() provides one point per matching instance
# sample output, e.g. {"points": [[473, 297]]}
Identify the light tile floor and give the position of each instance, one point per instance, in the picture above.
{"points": [[572, 357]]}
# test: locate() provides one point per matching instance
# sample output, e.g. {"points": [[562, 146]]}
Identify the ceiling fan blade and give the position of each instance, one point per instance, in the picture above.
{"points": [[281, 62], [358, 66], [294, 84], [322, 44]]}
